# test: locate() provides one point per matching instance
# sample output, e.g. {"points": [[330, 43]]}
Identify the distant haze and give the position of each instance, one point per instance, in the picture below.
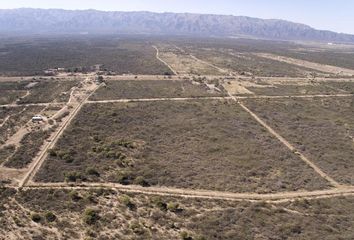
{"points": [[322, 14], [39, 21]]}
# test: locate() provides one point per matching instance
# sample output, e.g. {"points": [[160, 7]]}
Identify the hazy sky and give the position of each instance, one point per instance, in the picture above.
{"points": [[336, 15]]}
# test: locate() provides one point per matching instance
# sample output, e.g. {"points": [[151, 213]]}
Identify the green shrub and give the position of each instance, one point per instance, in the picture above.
{"points": [[185, 236], [125, 143], [52, 153], [123, 177], [73, 176], [90, 216], [50, 217], [74, 196], [136, 227], [36, 217], [159, 203], [141, 181], [125, 200], [173, 207], [92, 171]]}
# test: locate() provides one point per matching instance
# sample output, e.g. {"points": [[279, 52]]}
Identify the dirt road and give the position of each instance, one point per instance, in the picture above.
{"points": [[157, 99], [32, 104], [158, 58], [216, 98], [307, 64], [203, 194]]}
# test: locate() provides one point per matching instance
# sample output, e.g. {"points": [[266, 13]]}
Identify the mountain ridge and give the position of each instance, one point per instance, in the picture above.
{"points": [[58, 21]]}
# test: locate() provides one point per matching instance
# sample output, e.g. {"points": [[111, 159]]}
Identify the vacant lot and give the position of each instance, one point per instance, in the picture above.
{"points": [[336, 55], [103, 214], [184, 63], [248, 64], [27, 57], [345, 86], [285, 89], [329, 56], [322, 129], [152, 89], [200, 144]]}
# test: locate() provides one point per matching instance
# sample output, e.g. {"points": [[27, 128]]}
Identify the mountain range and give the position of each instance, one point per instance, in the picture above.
{"points": [[57, 21]]}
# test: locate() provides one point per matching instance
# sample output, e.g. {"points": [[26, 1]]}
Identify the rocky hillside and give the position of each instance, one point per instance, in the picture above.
{"points": [[99, 22]]}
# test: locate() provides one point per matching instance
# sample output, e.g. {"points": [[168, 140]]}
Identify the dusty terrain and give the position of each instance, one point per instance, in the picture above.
{"points": [[232, 146]]}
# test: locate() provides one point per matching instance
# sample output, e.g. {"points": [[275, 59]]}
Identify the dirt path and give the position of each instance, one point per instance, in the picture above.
{"points": [[228, 73], [295, 96], [157, 99], [5, 120], [203, 194], [158, 58], [217, 98], [32, 104], [35, 165], [308, 64]]}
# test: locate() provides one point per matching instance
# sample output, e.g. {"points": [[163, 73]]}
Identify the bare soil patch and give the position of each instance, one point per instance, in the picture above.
{"points": [[183, 63], [293, 90], [303, 63]]}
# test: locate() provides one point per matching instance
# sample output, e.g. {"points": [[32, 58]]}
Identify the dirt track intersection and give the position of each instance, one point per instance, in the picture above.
{"points": [[277, 179], [190, 137]]}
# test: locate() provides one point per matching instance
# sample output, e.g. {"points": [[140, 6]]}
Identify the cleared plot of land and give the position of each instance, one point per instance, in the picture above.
{"points": [[245, 63], [104, 214], [336, 55], [312, 65], [184, 63], [333, 56], [286, 90], [200, 144], [27, 57], [322, 129], [152, 89], [346, 86]]}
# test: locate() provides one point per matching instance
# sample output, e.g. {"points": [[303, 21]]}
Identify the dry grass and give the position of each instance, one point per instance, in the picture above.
{"points": [[248, 64], [284, 90], [183, 63]]}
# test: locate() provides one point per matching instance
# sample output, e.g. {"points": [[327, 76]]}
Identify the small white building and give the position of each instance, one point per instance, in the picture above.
{"points": [[37, 118]]}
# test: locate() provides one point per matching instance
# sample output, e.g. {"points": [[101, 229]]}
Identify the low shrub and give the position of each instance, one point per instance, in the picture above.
{"points": [[50, 217], [36, 217], [90, 216], [126, 200]]}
